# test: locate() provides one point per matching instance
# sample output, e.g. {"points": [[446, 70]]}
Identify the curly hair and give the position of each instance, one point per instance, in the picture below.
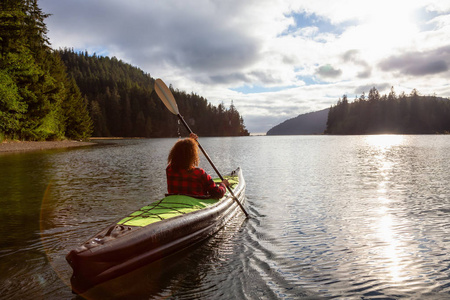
{"points": [[184, 155]]}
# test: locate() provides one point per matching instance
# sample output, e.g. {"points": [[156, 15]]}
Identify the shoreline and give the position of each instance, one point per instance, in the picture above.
{"points": [[27, 146]]}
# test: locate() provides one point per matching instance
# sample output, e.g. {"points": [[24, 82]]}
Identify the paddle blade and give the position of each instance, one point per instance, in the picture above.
{"points": [[166, 96]]}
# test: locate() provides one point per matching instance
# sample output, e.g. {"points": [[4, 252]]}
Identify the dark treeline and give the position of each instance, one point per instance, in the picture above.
{"points": [[52, 95], [122, 102], [403, 114], [38, 101]]}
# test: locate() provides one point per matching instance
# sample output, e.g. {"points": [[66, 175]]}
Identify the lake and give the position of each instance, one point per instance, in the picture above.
{"points": [[352, 217]]}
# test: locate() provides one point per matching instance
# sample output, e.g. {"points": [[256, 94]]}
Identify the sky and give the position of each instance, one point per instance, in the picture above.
{"points": [[275, 59]]}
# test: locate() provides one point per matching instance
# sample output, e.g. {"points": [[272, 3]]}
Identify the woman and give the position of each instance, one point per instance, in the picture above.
{"points": [[185, 177]]}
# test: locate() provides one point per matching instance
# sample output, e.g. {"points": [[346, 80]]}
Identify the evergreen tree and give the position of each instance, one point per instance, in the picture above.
{"points": [[34, 88], [78, 124], [11, 106]]}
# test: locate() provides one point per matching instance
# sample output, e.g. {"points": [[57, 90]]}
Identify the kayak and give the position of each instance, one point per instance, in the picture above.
{"points": [[153, 232]]}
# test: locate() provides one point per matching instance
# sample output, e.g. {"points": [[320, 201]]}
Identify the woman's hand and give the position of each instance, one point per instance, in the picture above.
{"points": [[225, 182], [193, 136]]}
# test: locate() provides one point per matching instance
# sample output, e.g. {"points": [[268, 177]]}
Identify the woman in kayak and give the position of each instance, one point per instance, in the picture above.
{"points": [[185, 177]]}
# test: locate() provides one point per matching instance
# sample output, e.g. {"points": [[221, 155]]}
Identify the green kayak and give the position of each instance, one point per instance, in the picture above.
{"points": [[151, 233]]}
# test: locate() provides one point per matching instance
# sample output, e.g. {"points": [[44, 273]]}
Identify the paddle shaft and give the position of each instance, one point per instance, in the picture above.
{"points": [[212, 164]]}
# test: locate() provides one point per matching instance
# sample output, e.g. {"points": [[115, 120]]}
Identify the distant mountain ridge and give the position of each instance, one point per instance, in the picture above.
{"points": [[310, 123]]}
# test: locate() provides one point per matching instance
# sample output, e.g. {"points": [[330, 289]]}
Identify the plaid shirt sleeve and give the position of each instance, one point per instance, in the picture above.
{"points": [[195, 182]]}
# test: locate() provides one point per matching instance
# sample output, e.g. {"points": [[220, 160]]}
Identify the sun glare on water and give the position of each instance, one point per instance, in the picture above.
{"points": [[385, 141], [390, 251]]}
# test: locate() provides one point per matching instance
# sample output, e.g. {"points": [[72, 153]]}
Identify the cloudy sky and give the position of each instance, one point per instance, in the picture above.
{"points": [[275, 59]]}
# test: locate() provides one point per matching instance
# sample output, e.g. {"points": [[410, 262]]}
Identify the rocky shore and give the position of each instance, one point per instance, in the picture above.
{"points": [[18, 146]]}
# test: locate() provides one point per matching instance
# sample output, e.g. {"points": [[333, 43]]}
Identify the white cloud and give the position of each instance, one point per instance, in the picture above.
{"points": [[318, 50]]}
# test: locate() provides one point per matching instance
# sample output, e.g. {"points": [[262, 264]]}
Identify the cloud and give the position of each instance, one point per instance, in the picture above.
{"points": [[171, 33], [419, 63], [353, 56], [304, 54], [364, 74], [327, 71]]}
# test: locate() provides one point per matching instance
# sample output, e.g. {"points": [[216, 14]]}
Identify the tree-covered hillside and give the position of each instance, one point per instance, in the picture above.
{"points": [[52, 95], [37, 99], [406, 114], [122, 102]]}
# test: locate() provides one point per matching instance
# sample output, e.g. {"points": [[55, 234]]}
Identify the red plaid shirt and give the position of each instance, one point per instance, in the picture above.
{"points": [[195, 182]]}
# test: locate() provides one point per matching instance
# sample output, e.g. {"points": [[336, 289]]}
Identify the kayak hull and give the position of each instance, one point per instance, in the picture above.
{"points": [[119, 249]]}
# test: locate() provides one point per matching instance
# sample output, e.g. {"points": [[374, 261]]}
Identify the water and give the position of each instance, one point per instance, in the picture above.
{"points": [[351, 217]]}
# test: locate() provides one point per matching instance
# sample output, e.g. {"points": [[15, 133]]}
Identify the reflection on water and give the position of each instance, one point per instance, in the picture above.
{"points": [[175, 274], [384, 142], [382, 145], [349, 217]]}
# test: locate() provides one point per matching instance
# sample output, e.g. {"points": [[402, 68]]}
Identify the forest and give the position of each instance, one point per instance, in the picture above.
{"points": [[48, 94], [402, 114], [38, 101], [122, 102]]}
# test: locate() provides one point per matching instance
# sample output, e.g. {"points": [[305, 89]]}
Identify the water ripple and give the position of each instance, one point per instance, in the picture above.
{"points": [[331, 217]]}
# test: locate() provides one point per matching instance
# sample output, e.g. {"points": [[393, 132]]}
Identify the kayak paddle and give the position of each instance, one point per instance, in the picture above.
{"points": [[169, 101]]}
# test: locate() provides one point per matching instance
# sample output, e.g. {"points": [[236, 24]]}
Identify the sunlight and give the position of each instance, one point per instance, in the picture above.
{"points": [[387, 25], [384, 141], [394, 267], [394, 20], [391, 251], [380, 144]]}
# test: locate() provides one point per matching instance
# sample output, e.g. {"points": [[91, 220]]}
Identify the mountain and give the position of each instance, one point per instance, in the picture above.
{"points": [[310, 123]]}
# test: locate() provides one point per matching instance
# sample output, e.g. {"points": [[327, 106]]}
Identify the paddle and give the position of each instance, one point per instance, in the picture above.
{"points": [[169, 101]]}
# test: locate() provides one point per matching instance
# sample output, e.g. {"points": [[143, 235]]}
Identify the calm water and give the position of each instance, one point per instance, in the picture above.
{"points": [[352, 217]]}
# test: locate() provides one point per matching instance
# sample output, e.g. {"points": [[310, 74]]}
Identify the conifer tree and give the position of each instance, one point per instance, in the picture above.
{"points": [[34, 89]]}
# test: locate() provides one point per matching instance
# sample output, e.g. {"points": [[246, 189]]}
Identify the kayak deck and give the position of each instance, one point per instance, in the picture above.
{"points": [[169, 207]]}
